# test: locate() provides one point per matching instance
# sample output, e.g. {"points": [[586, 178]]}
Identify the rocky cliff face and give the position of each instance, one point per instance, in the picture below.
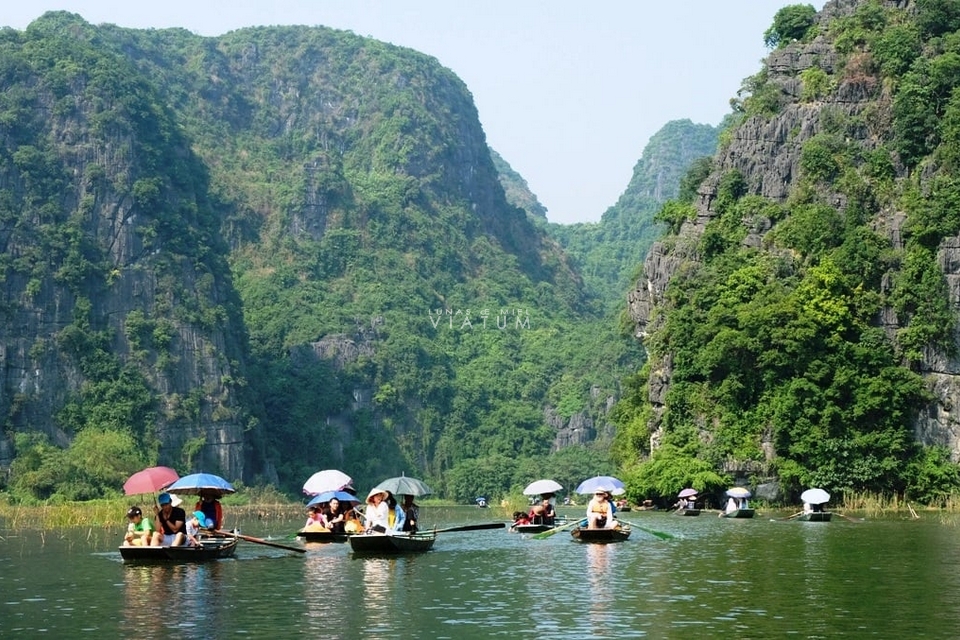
{"points": [[767, 153], [112, 271]]}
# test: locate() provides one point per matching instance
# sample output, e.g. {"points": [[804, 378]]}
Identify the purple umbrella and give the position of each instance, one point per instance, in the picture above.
{"points": [[686, 493]]}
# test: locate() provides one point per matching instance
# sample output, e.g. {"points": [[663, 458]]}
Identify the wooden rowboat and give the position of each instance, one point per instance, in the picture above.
{"points": [[530, 528], [324, 536], [384, 544], [601, 536], [815, 516], [211, 549], [738, 513], [687, 512], [559, 521]]}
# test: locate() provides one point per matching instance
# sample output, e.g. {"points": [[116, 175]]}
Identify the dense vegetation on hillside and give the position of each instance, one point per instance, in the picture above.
{"points": [[609, 253], [780, 361], [398, 314]]}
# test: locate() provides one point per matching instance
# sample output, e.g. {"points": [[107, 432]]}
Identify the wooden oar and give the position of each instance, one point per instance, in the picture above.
{"points": [[230, 534], [550, 532], [854, 520], [663, 535], [469, 527], [798, 513]]}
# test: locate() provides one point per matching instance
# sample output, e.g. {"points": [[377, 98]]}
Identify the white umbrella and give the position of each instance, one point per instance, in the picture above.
{"points": [[738, 492], [815, 496], [539, 487], [326, 480]]}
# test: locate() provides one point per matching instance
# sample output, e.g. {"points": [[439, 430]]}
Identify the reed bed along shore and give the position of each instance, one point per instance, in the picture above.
{"points": [[111, 514], [270, 505], [239, 510]]}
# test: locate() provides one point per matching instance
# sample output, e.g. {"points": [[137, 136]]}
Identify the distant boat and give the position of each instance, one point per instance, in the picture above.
{"points": [[737, 504], [481, 501], [815, 516], [738, 513]]}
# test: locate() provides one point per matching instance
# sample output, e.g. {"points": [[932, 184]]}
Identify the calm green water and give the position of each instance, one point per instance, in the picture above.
{"points": [[718, 578]]}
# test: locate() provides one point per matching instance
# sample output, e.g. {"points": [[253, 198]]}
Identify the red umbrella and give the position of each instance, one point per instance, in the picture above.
{"points": [[150, 480]]}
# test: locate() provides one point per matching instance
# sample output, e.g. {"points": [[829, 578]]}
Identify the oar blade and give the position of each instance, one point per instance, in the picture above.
{"points": [[472, 527], [550, 532], [663, 535], [267, 543]]}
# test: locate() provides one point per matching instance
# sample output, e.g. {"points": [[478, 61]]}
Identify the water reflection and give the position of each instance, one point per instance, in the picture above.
{"points": [[598, 574], [377, 588], [329, 597], [755, 578], [183, 597]]}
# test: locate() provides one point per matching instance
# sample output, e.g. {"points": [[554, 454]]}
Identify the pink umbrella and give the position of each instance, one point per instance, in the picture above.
{"points": [[686, 493], [150, 480]]}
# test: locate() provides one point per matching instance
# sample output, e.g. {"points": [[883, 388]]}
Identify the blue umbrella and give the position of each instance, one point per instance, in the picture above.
{"points": [[327, 496], [197, 482], [601, 483]]}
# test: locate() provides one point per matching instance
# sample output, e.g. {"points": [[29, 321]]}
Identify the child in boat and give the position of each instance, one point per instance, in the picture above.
{"points": [[196, 520], [520, 517], [314, 519], [139, 529]]}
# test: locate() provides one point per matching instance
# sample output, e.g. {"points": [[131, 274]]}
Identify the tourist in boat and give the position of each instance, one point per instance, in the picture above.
{"points": [[411, 511], [520, 518], [315, 519], [211, 508], [543, 513], [396, 516], [732, 505], [170, 522], [600, 511], [334, 518], [139, 530], [377, 514]]}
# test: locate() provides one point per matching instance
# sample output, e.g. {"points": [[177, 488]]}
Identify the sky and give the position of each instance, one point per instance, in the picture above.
{"points": [[568, 92]]}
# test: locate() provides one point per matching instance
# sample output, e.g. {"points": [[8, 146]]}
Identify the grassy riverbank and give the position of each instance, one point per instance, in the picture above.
{"points": [[251, 504]]}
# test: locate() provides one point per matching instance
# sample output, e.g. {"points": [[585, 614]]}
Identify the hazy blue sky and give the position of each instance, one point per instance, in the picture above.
{"points": [[568, 93]]}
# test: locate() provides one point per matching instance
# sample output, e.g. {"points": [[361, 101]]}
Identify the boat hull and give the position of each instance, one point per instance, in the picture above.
{"points": [[531, 528], [816, 516], [601, 536], [687, 512], [738, 513], [559, 521], [211, 549], [383, 544], [324, 536]]}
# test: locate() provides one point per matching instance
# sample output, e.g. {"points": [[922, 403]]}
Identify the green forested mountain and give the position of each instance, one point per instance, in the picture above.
{"points": [[275, 251], [516, 190], [800, 314], [608, 253]]}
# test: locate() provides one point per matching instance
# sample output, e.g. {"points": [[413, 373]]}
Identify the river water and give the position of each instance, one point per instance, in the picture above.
{"points": [[759, 578]]}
